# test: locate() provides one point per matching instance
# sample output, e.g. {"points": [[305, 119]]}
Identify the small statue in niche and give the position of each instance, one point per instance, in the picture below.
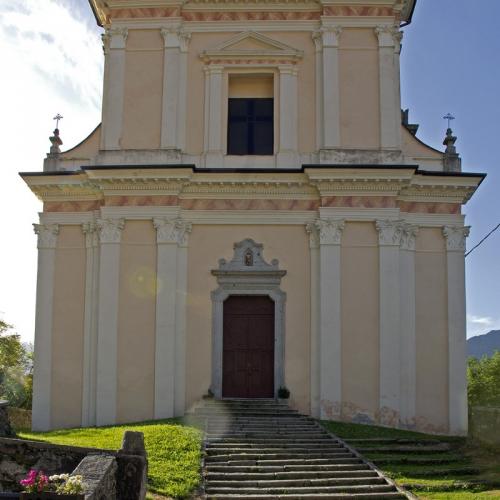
{"points": [[248, 258]]}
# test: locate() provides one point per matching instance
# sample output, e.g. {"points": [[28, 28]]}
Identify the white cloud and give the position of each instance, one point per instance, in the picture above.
{"points": [[478, 325], [51, 63]]}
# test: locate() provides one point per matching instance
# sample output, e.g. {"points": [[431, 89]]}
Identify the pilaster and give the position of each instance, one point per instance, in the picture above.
{"points": [[312, 231], [389, 41], [174, 90], [390, 233], [42, 377], [109, 231], [331, 90], [90, 324], [407, 330], [288, 110], [329, 234], [114, 41], [170, 233], [457, 352], [213, 110]]}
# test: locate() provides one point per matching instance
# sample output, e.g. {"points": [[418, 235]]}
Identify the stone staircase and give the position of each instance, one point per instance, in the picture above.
{"points": [[259, 449]]}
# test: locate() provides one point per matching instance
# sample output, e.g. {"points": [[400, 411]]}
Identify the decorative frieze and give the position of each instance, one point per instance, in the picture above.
{"points": [[47, 234], [172, 230], [390, 232], [455, 237], [110, 230]]}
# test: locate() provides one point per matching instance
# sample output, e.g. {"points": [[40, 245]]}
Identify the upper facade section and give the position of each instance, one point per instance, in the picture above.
{"points": [[252, 84]]}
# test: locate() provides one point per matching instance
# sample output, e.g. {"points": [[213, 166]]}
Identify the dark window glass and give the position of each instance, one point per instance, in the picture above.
{"points": [[250, 128]]}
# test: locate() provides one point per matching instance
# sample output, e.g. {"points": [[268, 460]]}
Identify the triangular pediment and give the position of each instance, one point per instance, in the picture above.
{"points": [[252, 44]]}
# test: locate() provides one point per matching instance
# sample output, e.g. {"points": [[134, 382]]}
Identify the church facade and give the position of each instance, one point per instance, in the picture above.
{"points": [[254, 212]]}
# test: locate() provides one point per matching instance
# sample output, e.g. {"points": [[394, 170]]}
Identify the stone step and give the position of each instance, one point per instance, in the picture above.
{"points": [[358, 468], [276, 456], [265, 452], [296, 483], [239, 420], [271, 439], [404, 441], [281, 445], [382, 488], [262, 435], [272, 476], [250, 411], [287, 461], [392, 495], [405, 449], [416, 460]]}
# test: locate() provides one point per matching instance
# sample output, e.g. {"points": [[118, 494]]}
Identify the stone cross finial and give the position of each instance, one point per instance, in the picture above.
{"points": [[57, 118], [55, 140], [448, 117]]}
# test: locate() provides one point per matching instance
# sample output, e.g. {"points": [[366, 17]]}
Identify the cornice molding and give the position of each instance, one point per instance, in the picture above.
{"points": [[400, 184]]}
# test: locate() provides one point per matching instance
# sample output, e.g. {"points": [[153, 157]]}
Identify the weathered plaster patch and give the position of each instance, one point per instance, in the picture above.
{"points": [[330, 410], [71, 206]]}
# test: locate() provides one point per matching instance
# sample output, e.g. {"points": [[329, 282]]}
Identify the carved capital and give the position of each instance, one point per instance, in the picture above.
{"points": [[47, 235], [114, 38], [389, 36], [175, 37], [455, 237], [408, 236], [317, 37], [172, 230], [390, 232], [90, 231], [330, 231], [110, 230], [313, 233], [331, 36]]}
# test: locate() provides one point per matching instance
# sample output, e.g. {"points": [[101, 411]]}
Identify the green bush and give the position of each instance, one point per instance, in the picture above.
{"points": [[16, 362], [483, 376]]}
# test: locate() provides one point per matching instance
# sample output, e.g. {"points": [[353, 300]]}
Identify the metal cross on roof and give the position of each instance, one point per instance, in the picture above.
{"points": [[449, 117], [57, 118]]}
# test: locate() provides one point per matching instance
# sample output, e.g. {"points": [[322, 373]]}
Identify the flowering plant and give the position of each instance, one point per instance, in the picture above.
{"points": [[66, 484], [61, 484], [35, 482]]}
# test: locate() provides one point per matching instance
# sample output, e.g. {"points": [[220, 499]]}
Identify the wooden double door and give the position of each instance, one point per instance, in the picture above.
{"points": [[248, 347]]}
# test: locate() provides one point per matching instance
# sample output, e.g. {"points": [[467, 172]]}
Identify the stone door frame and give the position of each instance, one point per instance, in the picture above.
{"points": [[239, 278]]}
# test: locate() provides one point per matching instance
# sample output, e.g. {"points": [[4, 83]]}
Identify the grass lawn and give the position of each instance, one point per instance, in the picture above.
{"points": [[463, 472], [174, 450]]}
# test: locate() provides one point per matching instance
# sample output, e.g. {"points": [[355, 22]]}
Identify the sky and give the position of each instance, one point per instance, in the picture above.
{"points": [[52, 62]]}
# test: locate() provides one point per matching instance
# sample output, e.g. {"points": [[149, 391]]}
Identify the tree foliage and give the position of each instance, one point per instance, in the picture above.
{"points": [[16, 365], [483, 377]]}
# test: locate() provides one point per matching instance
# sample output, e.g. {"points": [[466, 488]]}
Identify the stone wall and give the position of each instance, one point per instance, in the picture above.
{"points": [[106, 474], [5, 427], [19, 418], [484, 425]]}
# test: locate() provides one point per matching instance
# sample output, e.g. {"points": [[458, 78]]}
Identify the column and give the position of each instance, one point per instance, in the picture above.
{"points": [[90, 324], [183, 230], [213, 109], [288, 120], [114, 86], [407, 325], [331, 87], [330, 325], [42, 376], [390, 233], [311, 229], [107, 323], [390, 117], [457, 351]]}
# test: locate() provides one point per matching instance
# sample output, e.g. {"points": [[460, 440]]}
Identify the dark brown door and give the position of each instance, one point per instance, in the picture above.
{"points": [[248, 347]]}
